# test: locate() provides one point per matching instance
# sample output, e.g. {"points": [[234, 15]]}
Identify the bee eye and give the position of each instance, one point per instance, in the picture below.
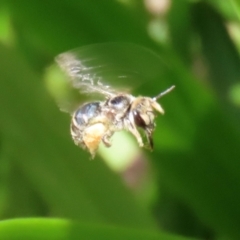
{"points": [[139, 120], [120, 102], [86, 112]]}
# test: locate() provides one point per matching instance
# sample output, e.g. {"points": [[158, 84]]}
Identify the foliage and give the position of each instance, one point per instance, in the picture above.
{"points": [[196, 157]]}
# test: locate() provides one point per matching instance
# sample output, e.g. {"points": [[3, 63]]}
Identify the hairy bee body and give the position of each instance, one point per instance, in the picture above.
{"points": [[96, 122]]}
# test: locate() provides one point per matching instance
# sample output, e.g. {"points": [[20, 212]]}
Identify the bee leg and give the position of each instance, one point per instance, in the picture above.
{"points": [[106, 140], [137, 135], [132, 129], [149, 138]]}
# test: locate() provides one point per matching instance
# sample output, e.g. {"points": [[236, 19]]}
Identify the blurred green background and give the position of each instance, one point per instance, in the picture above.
{"points": [[188, 187]]}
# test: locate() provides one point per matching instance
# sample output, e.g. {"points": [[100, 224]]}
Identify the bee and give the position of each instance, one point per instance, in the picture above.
{"points": [[96, 121]]}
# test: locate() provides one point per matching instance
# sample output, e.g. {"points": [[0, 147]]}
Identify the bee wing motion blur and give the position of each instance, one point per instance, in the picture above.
{"points": [[96, 122]]}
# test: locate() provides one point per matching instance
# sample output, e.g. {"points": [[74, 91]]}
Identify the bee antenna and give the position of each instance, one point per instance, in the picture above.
{"points": [[164, 93]]}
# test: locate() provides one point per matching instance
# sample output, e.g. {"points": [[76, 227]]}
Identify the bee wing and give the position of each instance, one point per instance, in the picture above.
{"points": [[93, 68], [83, 73]]}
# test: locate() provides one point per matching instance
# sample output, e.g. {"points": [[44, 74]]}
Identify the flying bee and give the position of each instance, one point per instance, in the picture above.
{"points": [[97, 121]]}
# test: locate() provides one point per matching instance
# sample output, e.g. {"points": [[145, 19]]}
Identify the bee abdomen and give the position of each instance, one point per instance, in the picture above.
{"points": [[87, 112], [81, 119]]}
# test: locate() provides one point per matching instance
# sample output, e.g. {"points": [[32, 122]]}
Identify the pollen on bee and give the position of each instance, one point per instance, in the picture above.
{"points": [[93, 136]]}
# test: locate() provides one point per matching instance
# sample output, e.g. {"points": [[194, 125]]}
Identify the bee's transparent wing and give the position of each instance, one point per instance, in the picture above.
{"points": [[83, 72], [93, 68]]}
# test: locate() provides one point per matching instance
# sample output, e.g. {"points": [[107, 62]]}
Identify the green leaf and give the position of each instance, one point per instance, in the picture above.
{"points": [[57, 229]]}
